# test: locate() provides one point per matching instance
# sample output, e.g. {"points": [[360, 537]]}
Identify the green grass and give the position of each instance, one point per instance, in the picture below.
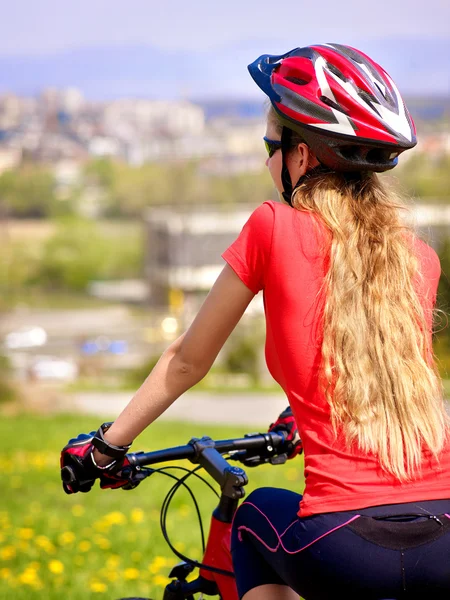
{"points": [[105, 544]]}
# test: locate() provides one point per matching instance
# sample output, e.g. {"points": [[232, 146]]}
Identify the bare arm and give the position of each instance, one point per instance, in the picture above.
{"points": [[187, 360]]}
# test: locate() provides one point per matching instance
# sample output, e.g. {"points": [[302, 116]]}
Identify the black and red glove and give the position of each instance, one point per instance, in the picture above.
{"points": [[79, 469], [286, 424]]}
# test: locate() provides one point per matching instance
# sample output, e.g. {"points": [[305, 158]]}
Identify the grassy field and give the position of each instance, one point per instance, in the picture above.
{"points": [[105, 544]]}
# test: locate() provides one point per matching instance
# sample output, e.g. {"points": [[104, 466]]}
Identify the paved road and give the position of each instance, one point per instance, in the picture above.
{"points": [[240, 409]]}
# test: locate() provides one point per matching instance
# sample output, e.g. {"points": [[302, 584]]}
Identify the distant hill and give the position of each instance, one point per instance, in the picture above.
{"points": [[429, 108], [420, 68]]}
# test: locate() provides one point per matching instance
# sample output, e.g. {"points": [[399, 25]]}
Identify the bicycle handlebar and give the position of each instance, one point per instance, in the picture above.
{"points": [[252, 450], [251, 442]]}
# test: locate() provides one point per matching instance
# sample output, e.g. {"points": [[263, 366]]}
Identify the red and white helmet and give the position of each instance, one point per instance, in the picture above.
{"points": [[345, 106]]}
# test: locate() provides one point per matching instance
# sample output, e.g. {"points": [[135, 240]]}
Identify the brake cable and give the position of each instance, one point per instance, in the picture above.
{"points": [[165, 507]]}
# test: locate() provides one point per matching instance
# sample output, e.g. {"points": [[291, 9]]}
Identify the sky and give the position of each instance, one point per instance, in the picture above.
{"points": [[50, 25], [35, 30]]}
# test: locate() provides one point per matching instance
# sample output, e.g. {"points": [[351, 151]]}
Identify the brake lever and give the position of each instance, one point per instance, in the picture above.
{"points": [[279, 459], [139, 474], [256, 460]]}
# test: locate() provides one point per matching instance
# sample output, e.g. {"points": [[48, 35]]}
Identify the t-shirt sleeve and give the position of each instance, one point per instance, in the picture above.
{"points": [[249, 254], [431, 270], [436, 275]]}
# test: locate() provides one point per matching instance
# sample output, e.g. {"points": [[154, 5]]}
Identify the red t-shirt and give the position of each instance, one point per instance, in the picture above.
{"points": [[284, 252]]}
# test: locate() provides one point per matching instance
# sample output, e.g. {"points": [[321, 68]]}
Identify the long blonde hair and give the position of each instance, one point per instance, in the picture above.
{"points": [[378, 371]]}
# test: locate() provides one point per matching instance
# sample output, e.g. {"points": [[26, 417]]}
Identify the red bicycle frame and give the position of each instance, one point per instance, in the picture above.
{"points": [[217, 554]]}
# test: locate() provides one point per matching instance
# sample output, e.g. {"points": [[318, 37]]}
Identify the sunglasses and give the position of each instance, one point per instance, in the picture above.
{"points": [[271, 146]]}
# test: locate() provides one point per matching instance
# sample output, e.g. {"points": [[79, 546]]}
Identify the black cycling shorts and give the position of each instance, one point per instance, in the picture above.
{"points": [[390, 552]]}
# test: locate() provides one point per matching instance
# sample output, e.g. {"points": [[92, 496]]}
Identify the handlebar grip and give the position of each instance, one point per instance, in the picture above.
{"points": [[68, 475]]}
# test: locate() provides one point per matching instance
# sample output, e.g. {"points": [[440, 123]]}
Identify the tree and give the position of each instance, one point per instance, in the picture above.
{"points": [[426, 176], [28, 192], [80, 252]]}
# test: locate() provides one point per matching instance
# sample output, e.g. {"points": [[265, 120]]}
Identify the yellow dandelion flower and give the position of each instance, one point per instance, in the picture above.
{"points": [[131, 573], [112, 575], [161, 581], [56, 567], [78, 510], [102, 526], [84, 546], [98, 587], [116, 518], [113, 561], [137, 515], [38, 461], [158, 563], [102, 542], [7, 466], [45, 544], [23, 545], [26, 533], [5, 573], [30, 577], [66, 538], [7, 552], [184, 510]]}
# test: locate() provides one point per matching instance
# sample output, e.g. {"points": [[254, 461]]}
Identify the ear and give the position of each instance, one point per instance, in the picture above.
{"points": [[305, 158]]}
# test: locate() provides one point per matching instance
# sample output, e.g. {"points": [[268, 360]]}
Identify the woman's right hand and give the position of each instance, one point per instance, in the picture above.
{"points": [[287, 425]]}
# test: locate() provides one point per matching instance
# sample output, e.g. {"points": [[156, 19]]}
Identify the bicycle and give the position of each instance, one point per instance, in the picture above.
{"points": [[215, 569]]}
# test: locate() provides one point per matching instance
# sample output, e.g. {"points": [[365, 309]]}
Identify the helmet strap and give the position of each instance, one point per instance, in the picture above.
{"points": [[288, 188], [285, 175]]}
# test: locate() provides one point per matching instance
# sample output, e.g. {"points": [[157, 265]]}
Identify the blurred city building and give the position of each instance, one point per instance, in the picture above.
{"points": [[184, 247], [183, 252], [61, 125]]}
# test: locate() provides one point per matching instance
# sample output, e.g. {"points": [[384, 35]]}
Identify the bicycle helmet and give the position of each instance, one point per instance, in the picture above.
{"points": [[345, 106]]}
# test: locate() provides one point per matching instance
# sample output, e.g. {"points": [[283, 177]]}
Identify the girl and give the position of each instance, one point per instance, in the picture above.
{"points": [[349, 293]]}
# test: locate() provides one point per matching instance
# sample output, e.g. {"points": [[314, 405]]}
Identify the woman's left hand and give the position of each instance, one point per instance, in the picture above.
{"points": [[80, 468]]}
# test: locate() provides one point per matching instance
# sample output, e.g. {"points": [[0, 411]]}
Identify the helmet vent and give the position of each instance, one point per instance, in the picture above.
{"points": [[297, 81], [330, 103], [336, 72], [368, 98], [378, 155], [350, 152]]}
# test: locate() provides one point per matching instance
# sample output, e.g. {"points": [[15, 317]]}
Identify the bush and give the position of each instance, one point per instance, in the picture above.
{"points": [[244, 358], [80, 252], [136, 377], [7, 391], [28, 192]]}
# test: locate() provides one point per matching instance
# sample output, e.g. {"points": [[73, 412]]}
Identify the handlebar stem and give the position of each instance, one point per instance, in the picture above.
{"points": [[231, 479]]}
